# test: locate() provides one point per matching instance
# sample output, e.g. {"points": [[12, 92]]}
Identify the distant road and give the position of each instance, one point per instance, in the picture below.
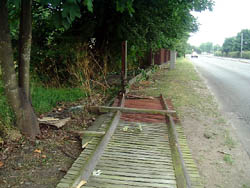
{"points": [[229, 80]]}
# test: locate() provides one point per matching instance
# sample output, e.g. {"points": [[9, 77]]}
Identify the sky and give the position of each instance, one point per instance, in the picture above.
{"points": [[227, 19]]}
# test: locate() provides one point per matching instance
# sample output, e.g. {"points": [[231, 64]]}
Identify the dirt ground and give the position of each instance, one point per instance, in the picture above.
{"points": [[220, 157], [42, 163]]}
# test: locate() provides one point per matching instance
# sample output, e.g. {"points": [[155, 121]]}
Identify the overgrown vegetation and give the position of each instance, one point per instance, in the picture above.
{"points": [[43, 100]]}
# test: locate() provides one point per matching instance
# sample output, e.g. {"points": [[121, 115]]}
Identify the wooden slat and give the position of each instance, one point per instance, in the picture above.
{"points": [[86, 171], [182, 176], [130, 110]]}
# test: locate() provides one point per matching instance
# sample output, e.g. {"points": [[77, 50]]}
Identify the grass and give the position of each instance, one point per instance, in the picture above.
{"points": [[228, 159], [245, 186], [229, 142], [179, 87], [43, 100]]}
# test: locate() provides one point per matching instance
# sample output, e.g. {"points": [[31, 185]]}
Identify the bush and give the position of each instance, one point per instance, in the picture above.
{"points": [[234, 54], [246, 55], [218, 53]]}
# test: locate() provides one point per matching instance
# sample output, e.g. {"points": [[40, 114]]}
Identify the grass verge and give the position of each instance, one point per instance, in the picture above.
{"points": [[214, 146]]}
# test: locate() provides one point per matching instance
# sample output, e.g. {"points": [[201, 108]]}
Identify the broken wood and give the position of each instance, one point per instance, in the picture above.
{"points": [[54, 121], [81, 184], [91, 163], [182, 176], [86, 141]]}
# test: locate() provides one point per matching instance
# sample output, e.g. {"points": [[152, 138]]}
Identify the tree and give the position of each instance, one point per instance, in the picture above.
{"points": [[18, 93], [246, 40], [234, 43], [228, 45], [217, 47], [152, 25], [207, 47], [17, 90]]}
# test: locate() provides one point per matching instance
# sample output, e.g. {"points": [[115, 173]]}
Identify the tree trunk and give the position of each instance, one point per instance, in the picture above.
{"points": [[25, 116], [25, 37]]}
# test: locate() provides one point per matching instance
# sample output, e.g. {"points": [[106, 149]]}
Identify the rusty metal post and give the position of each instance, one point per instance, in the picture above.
{"points": [[124, 65]]}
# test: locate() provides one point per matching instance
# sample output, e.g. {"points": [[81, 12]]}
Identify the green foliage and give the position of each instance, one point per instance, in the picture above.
{"points": [[228, 159], [228, 45], [234, 43], [123, 5], [6, 114], [206, 47], [61, 25], [89, 5], [191, 48], [246, 54], [235, 54], [218, 53], [44, 99]]}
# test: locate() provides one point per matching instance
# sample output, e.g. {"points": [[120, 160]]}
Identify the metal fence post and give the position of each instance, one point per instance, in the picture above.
{"points": [[124, 65]]}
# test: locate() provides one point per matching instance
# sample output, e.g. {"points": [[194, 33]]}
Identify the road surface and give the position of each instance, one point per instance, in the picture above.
{"points": [[230, 82]]}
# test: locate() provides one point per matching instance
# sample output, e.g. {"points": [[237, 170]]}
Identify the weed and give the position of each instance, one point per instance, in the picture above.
{"points": [[143, 76], [220, 121], [245, 186], [229, 142], [228, 159]]}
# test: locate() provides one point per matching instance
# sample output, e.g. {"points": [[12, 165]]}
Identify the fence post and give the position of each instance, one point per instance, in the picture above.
{"points": [[124, 65], [172, 59]]}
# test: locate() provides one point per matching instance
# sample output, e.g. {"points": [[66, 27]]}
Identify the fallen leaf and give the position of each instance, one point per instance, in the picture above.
{"points": [[38, 151], [1, 164], [44, 156]]}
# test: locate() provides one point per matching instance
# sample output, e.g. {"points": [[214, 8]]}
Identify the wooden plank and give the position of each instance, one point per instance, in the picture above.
{"points": [[119, 183], [138, 173], [94, 158], [137, 179], [138, 157], [130, 110], [182, 176], [137, 169], [130, 164], [135, 160], [92, 133]]}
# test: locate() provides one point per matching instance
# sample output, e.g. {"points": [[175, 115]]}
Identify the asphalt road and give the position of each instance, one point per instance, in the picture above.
{"points": [[230, 82]]}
